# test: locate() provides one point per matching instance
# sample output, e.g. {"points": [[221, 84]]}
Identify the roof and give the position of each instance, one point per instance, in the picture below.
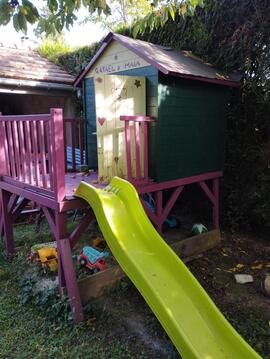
{"points": [[166, 60], [24, 64]]}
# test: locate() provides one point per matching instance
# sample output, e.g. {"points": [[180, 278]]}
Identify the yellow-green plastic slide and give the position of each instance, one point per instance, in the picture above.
{"points": [[190, 318]]}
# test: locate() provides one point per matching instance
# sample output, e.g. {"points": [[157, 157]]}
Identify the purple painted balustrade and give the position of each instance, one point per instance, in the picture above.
{"points": [[74, 137], [32, 153], [137, 121]]}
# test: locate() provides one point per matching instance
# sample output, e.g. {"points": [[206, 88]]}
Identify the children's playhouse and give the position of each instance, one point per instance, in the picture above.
{"points": [[156, 118]]}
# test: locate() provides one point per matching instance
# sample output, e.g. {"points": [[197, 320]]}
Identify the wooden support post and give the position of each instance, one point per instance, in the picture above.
{"points": [[50, 219], [60, 233], [159, 205], [66, 271], [18, 209], [11, 204], [71, 281], [1, 223], [214, 199], [58, 154], [216, 203], [149, 212], [169, 205], [8, 225], [78, 231]]}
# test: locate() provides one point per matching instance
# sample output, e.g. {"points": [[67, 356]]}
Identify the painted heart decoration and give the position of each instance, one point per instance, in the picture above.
{"points": [[101, 120]]}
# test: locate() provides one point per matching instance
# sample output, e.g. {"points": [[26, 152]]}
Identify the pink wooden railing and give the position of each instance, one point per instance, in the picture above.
{"points": [[139, 141], [74, 137], [32, 152]]}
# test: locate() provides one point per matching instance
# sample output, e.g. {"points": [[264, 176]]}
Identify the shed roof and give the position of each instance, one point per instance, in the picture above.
{"points": [[166, 60], [24, 64]]}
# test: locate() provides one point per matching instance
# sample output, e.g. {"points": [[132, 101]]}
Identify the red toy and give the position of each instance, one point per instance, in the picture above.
{"points": [[92, 260]]}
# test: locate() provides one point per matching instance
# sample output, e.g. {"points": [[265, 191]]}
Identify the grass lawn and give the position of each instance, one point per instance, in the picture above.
{"points": [[37, 324]]}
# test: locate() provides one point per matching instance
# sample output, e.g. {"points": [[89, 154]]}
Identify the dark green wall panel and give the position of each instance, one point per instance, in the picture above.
{"points": [[191, 128]]}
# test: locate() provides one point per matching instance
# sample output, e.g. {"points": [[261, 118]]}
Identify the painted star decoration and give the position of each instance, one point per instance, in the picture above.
{"points": [[137, 83]]}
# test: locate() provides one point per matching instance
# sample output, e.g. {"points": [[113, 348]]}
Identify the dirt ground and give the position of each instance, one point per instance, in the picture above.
{"points": [[244, 305], [120, 324]]}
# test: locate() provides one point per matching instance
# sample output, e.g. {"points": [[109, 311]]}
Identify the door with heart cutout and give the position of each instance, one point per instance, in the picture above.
{"points": [[117, 96]]}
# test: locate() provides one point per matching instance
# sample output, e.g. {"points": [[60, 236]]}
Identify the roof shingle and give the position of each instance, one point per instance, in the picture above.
{"points": [[24, 64], [166, 60]]}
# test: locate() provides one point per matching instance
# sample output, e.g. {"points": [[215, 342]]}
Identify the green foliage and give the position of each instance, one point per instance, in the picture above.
{"points": [[53, 48], [72, 60], [161, 12], [123, 13], [234, 36], [21, 12], [60, 14], [76, 60]]}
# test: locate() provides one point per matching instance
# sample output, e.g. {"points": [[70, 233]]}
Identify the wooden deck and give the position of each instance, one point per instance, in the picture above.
{"points": [[73, 179]]}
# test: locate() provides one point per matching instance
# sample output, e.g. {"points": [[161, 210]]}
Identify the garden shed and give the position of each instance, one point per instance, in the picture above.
{"points": [[187, 98], [31, 84]]}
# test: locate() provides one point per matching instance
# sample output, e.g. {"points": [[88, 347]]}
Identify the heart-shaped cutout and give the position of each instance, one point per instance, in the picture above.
{"points": [[101, 120]]}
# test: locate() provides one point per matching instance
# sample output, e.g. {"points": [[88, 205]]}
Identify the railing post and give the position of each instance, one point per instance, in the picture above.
{"points": [[73, 144], [145, 150], [58, 154], [81, 141], [128, 152], [3, 159], [65, 143], [137, 121]]}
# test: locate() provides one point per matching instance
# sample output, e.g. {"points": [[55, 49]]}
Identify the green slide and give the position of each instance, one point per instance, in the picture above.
{"points": [[192, 321]]}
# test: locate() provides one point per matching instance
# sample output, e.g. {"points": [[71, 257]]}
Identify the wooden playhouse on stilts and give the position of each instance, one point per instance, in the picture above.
{"points": [[154, 116]]}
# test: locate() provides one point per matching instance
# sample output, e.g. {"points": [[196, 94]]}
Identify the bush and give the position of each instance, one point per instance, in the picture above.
{"points": [[53, 48]]}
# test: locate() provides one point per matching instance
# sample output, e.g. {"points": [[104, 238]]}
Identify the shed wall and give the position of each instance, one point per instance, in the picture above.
{"points": [[190, 129]]}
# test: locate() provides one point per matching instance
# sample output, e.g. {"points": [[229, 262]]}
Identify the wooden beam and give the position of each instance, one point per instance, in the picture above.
{"points": [[189, 249], [95, 285], [50, 218], [197, 244], [81, 227], [18, 209]]}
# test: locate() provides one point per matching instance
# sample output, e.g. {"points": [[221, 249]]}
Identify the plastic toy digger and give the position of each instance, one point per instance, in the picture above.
{"points": [[48, 259], [193, 322]]}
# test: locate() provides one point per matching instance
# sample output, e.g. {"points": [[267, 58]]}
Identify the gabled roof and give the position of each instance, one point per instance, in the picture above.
{"points": [[24, 64], [166, 60]]}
